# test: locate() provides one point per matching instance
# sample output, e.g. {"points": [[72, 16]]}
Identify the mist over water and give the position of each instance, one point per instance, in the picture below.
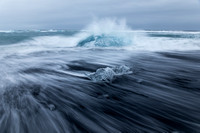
{"points": [[105, 78]]}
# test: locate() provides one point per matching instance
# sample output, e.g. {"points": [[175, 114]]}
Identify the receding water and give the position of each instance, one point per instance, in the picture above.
{"points": [[90, 81]]}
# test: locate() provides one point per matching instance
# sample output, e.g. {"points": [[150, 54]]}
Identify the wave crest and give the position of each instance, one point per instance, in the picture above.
{"points": [[106, 33], [104, 41]]}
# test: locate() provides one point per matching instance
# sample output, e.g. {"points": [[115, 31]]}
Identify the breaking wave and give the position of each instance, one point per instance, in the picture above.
{"points": [[104, 41], [108, 34]]}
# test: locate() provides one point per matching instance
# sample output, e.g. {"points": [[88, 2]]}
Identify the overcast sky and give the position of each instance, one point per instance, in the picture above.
{"points": [[75, 14]]}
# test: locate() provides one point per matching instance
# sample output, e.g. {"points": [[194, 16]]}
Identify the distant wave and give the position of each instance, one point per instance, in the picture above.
{"points": [[104, 34]]}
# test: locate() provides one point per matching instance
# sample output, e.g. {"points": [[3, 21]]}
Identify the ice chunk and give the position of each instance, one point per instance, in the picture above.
{"points": [[108, 74]]}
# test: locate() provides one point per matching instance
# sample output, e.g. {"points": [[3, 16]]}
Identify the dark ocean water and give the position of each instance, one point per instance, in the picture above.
{"points": [[101, 82]]}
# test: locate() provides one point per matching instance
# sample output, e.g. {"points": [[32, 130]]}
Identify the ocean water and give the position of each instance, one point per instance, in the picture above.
{"points": [[99, 80]]}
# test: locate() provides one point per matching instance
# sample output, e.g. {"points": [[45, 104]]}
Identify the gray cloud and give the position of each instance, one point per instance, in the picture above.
{"points": [[65, 14]]}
